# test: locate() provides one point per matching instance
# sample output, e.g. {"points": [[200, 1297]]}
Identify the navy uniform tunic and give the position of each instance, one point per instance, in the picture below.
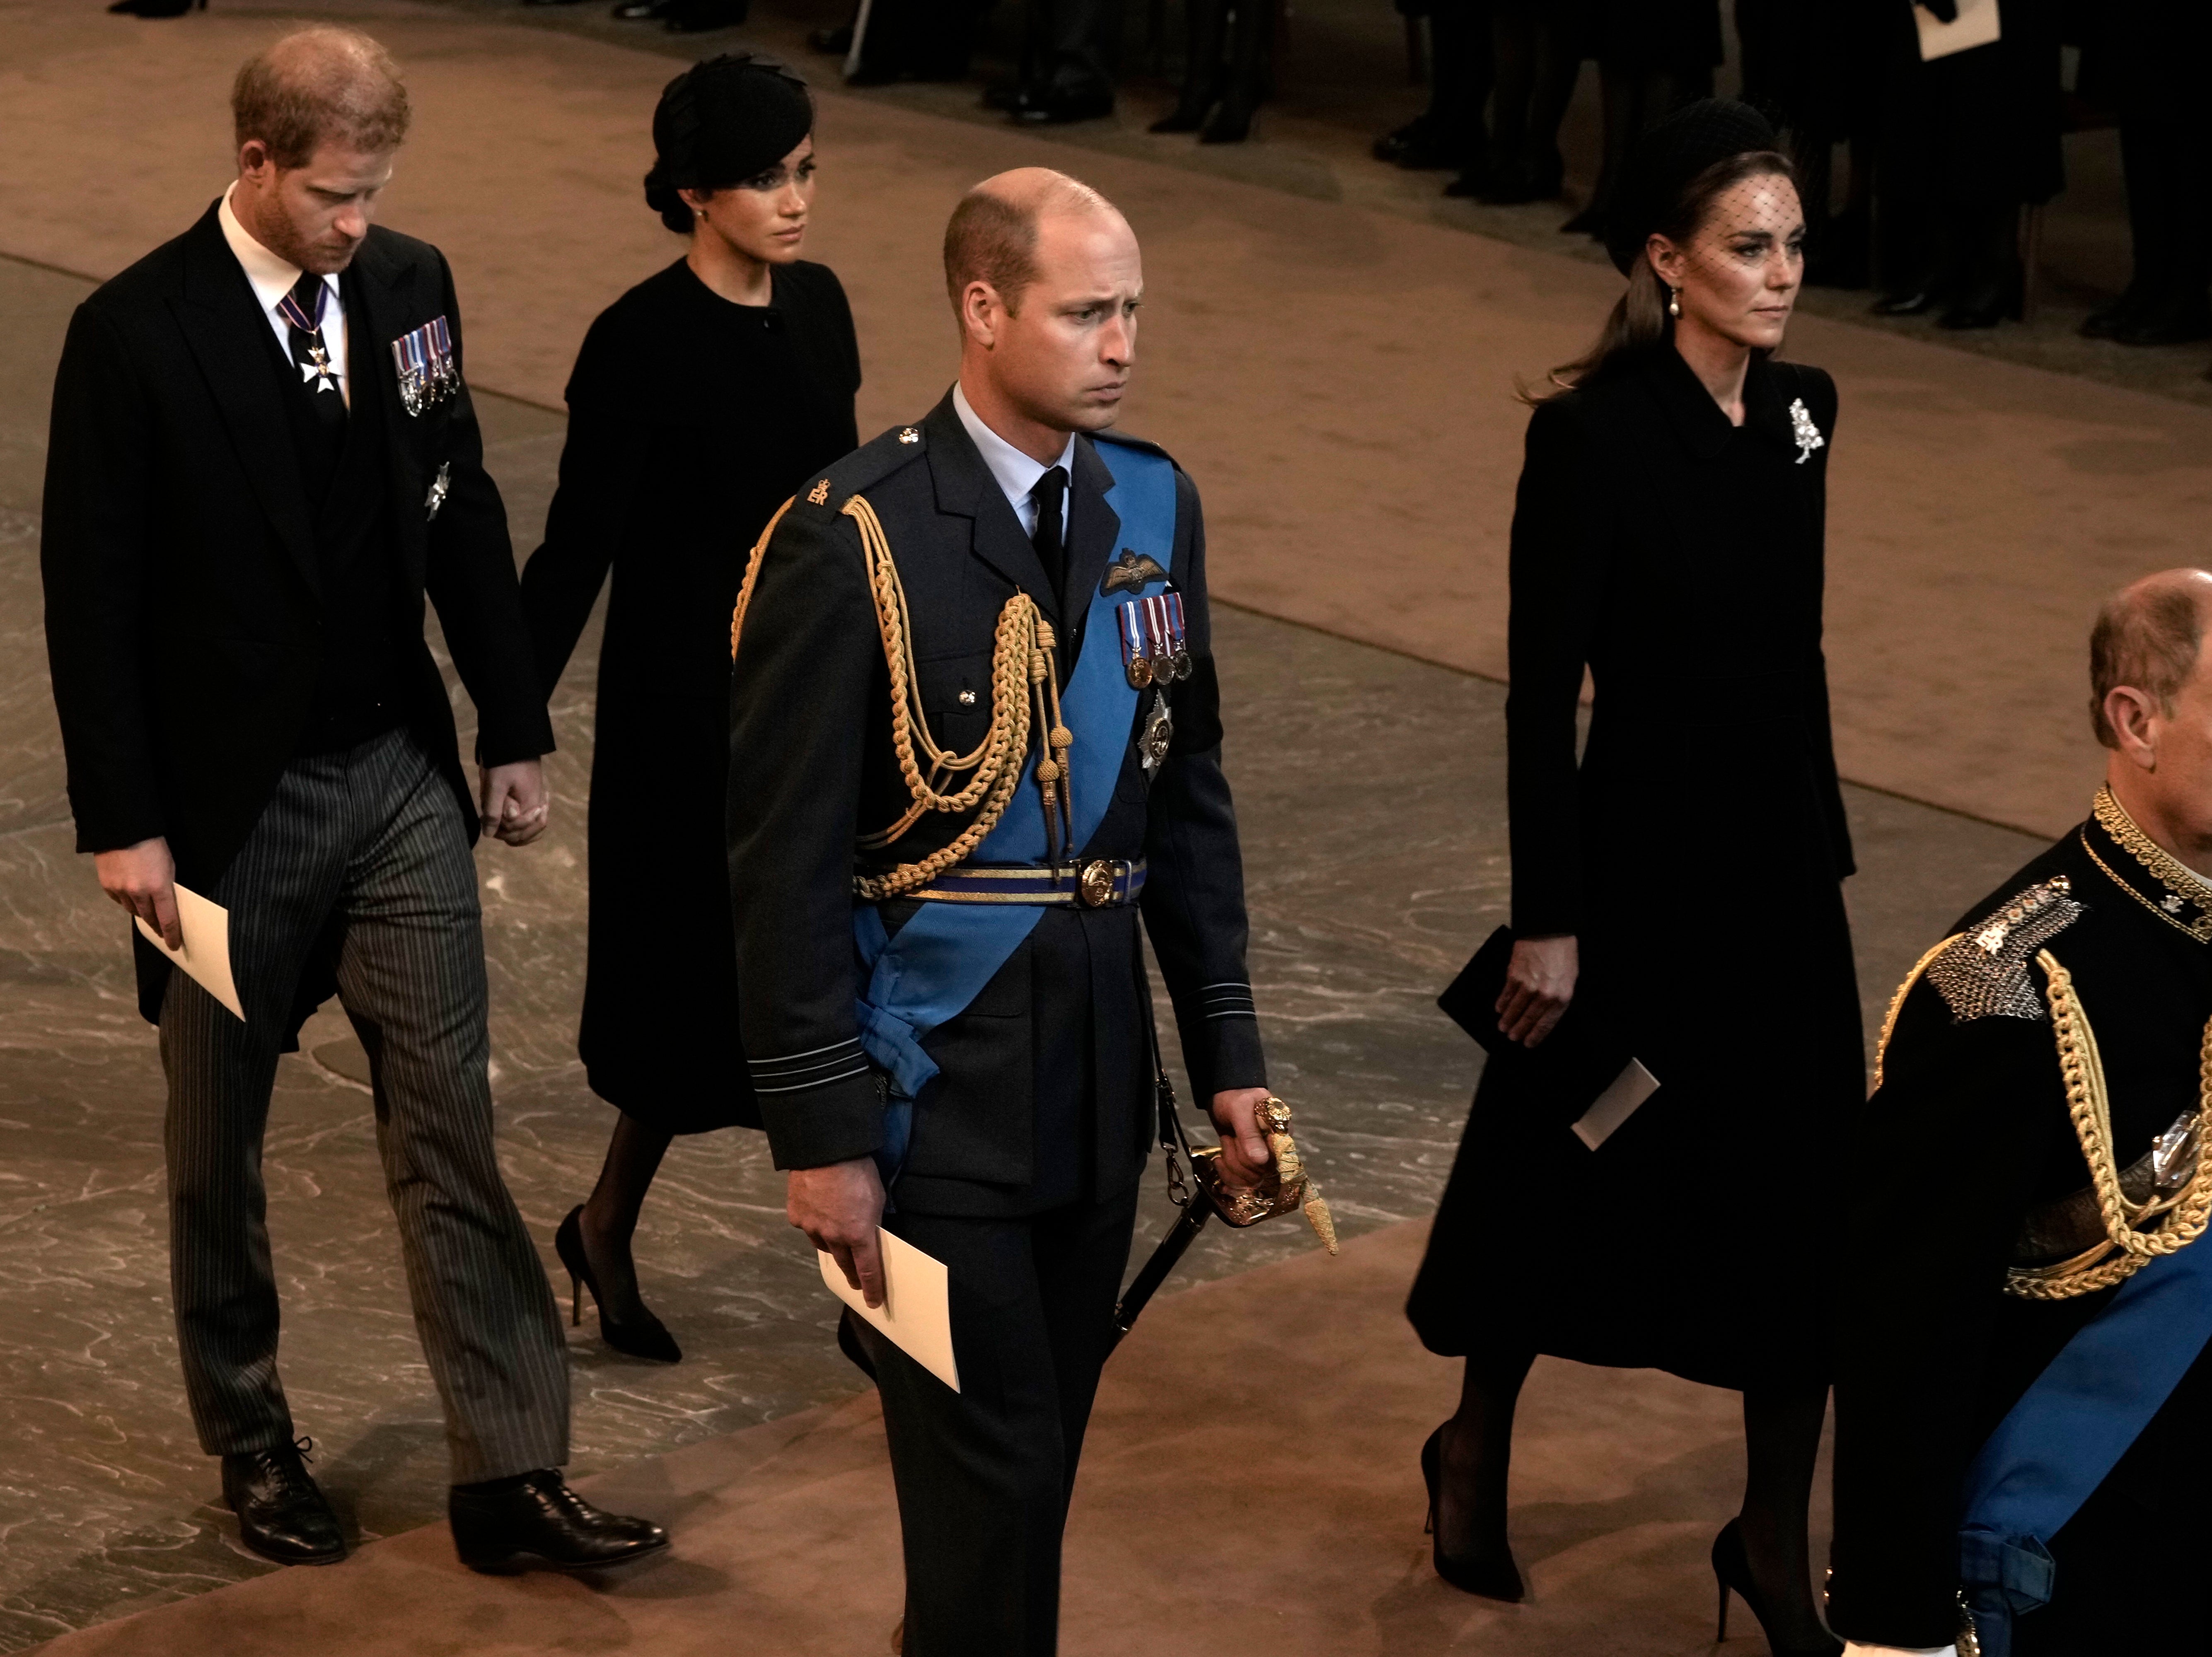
{"points": [[1023, 1169], [1968, 1135]]}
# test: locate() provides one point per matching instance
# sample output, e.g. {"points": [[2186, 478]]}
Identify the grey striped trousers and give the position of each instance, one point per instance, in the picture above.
{"points": [[360, 861]]}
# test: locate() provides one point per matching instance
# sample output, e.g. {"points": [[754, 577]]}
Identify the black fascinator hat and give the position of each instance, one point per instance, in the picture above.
{"points": [[720, 123], [1665, 162]]}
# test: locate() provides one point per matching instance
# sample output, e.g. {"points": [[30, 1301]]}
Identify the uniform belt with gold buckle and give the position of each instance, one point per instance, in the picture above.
{"points": [[1100, 884]]}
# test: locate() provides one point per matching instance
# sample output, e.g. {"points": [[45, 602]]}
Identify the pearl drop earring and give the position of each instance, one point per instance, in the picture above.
{"points": [[1674, 302]]}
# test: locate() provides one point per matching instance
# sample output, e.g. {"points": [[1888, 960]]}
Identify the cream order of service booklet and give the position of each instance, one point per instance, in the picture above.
{"points": [[1977, 25], [206, 954], [917, 1310]]}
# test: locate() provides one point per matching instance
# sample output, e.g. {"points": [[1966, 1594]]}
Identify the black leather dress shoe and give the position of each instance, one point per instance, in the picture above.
{"points": [[1059, 106], [282, 1514], [537, 1523]]}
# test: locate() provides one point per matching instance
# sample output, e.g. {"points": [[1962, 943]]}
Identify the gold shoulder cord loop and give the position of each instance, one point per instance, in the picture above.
{"points": [[1897, 1002], [2126, 1250], [1025, 679]]}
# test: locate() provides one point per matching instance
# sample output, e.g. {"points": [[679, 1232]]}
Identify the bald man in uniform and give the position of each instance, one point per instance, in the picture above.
{"points": [[2022, 1392], [977, 1078]]}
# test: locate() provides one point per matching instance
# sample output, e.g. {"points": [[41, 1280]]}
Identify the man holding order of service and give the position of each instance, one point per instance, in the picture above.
{"points": [[263, 457], [975, 732]]}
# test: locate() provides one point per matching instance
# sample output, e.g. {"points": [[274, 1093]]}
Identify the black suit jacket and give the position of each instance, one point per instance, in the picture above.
{"points": [[185, 614], [1059, 1035]]}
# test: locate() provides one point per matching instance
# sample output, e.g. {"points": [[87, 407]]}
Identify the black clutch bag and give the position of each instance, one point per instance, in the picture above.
{"points": [[1585, 1057]]}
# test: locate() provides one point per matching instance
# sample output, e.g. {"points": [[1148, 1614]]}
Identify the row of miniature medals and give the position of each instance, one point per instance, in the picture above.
{"points": [[428, 373], [1155, 652]]}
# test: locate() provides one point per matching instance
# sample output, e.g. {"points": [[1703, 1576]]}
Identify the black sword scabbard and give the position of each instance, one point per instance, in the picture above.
{"points": [[1188, 1225]]}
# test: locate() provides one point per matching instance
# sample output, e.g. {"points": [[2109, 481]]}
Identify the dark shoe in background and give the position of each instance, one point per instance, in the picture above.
{"points": [[1062, 106], [1414, 148], [639, 11], [2116, 313], [536, 1522], [282, 1514], [1911, 302], [154, 8], [1230, 123], [1986, 302], [699, 17], [2178, 319]]}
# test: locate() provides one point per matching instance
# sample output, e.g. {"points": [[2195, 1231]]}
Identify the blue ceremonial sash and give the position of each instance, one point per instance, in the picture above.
{"points": [[2070, 1429], [942, 958]]}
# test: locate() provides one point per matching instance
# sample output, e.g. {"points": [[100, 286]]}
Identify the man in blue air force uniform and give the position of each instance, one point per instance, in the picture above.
{"points": [[975, 732], [2023, 1396]]}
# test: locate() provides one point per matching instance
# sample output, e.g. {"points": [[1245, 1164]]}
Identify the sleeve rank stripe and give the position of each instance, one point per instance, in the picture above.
{"points": [[818, 1082]]}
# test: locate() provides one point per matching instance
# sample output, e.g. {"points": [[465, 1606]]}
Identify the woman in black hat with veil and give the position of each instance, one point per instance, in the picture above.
{"points": [[701, 400], [1682, 881]]}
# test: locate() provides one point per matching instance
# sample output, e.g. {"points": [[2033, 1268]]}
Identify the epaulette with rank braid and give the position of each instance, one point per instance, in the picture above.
{"points": [[1985, 972]]}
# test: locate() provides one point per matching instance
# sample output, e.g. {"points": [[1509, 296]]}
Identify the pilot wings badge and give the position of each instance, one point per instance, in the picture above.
{"points": [[1130, 571], [1802, 432]]}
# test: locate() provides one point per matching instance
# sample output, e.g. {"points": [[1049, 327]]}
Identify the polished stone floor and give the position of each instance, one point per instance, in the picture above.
{"points": [[1370, 786]]}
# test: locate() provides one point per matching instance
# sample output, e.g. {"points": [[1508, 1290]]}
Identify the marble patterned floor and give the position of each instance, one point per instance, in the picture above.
{"points": [[1371, 790]]}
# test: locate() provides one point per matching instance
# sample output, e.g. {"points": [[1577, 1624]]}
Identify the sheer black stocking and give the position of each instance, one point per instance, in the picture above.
{"points": [[610, 1216], [1782, 1442], [1477, 1454]]}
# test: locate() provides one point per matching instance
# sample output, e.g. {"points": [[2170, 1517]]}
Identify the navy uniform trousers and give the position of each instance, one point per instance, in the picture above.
{"points": [[360, 862], [984, 1474]]}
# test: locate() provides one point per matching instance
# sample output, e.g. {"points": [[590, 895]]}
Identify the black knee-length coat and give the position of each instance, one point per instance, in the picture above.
{"points": [[691, 420], [1696, 852]]}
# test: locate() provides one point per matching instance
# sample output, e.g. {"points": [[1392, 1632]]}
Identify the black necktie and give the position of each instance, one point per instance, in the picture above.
{"points": [[1049, 493], [302, 311]]}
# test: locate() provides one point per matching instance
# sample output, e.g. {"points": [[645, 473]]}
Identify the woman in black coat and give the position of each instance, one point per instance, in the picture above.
{"points": [[1683, 882], [701, 400]]}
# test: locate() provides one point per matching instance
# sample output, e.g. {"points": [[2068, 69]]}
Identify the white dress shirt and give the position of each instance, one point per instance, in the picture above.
{"points": [[1016, 472], [272, 278]]}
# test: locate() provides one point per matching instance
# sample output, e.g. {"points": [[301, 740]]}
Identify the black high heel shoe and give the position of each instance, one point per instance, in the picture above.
{"points": [[645, 1337], [1491, 1576], [1732, 1572]]}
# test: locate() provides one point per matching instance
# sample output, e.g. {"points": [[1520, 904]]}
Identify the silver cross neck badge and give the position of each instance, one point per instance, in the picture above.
{"points": [[1802, 432], [320, 370]]}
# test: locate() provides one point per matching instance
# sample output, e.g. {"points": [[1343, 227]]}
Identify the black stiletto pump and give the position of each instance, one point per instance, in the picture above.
{"points": [[645, 1337], [1490, 1577], [1732, 1573]]}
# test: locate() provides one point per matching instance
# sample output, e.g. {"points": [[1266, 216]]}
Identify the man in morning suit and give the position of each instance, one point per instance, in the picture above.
{"points": [[2023, 1383], [976, 1077], [263, 460]]}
